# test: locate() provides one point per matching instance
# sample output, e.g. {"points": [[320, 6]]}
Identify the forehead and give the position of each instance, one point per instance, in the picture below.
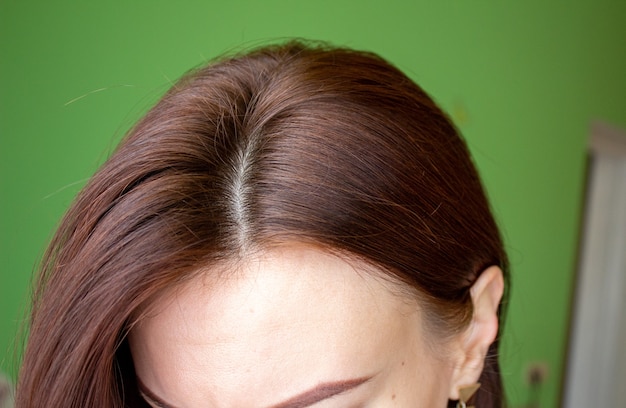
{"points": [[276, 322]]}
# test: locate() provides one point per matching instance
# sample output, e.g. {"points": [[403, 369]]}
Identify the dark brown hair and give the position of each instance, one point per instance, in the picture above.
{"points": [[287, 143]]}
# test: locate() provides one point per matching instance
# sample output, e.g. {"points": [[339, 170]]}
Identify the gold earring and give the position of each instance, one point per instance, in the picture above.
{"points": [[465, 393]]}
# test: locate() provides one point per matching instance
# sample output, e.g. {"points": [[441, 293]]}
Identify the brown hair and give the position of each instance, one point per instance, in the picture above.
{"points": [[287, 143]]}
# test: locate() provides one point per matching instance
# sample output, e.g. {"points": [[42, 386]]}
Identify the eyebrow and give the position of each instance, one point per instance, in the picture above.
{"points": [[149, 396], [319, 393]]}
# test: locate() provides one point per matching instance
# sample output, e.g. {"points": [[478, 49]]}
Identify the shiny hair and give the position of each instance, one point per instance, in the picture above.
{"points": [[287, 143]]}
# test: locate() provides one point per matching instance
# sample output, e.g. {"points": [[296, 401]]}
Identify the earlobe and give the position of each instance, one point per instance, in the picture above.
{"points": [[474, 343]]}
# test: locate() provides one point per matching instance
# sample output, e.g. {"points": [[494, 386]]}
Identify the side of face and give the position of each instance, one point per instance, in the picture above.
{"points": [[292, 328]]}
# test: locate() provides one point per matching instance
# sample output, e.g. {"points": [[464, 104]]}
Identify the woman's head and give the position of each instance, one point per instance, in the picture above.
{"points": [[319, 169]]}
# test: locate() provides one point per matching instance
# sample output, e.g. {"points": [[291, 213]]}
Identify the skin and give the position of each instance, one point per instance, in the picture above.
{"points": [[290, 328]]}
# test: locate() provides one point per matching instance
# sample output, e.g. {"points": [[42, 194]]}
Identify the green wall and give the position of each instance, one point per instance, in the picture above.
{"points": [[523, 79]]}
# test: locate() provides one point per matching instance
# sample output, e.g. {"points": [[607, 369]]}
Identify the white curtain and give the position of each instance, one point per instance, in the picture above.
{"points": [[6, 392], [596, 373]]}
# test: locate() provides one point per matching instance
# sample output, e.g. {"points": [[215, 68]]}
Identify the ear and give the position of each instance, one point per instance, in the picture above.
{"points": [[474, 342]]}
